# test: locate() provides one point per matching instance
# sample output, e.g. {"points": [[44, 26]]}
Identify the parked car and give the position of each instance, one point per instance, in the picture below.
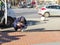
{"points": [[7, 15], [22, 5], [10, 17], [49, 10], [29, 5]]}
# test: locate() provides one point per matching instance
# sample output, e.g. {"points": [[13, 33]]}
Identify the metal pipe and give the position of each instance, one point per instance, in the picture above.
{"points": [[5, 14]]}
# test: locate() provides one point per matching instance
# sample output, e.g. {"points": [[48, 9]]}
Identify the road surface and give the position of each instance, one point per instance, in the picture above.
{"points": [[34, 21]]}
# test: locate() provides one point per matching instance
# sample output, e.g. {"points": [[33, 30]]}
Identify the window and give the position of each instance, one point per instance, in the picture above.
{"points": [[48, 7], [51, 7], [57, 7]]}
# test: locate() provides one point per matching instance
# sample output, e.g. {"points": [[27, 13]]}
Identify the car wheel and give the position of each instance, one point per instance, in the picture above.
{"points": [[9, 22], [46, 14]]}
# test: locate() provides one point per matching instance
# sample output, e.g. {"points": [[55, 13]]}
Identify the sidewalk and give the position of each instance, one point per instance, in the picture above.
{"points": [[30, 38], [14, 7]]}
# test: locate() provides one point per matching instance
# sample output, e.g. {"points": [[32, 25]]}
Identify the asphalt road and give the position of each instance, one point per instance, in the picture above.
{"points": [[26, 12], [29, 13], [34, 22]]}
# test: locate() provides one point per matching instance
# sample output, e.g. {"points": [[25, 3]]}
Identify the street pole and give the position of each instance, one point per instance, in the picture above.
{"points": [[5, 12]]}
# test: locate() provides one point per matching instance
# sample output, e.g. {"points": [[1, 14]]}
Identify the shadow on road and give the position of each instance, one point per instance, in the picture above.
{"points": [[35, 30], [29, 23], [4, 27], [5, 37], [41, 30]]}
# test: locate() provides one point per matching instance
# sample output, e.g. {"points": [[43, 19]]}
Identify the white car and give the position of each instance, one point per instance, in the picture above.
{"points": [[49, 10]]}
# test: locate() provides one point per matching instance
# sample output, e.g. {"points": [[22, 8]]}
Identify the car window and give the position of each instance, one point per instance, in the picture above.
{"points": [[51, 7], [57, 7], [48, 6]]}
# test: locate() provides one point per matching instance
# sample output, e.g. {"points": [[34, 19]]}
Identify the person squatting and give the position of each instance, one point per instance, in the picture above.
{"points": [[20, 23]]}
